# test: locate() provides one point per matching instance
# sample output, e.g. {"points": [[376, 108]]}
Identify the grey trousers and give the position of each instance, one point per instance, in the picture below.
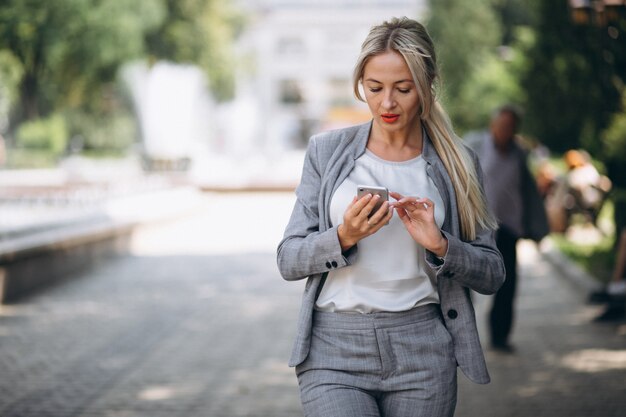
{"points": [[380, 364]]}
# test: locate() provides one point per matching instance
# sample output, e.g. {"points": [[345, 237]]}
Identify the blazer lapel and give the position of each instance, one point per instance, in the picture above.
{"points": [[339, 167]]}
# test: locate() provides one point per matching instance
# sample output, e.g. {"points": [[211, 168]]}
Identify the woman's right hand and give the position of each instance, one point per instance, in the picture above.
{"points": [[356, 224]]}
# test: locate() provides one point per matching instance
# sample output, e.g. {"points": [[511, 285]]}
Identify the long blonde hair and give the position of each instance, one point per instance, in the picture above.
{"points": [[412, 41]]}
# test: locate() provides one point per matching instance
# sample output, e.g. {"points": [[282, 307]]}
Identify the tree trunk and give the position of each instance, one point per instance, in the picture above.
{"points": [[29, 98]]}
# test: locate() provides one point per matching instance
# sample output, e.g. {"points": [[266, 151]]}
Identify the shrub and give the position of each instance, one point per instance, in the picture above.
{"points": [[49, 134]]}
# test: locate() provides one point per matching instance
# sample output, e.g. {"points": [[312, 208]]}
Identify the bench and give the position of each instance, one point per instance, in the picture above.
{"points": [[36, 258]]}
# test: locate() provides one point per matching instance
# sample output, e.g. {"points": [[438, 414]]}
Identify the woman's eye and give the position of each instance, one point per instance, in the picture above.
{"points": [[404, 90], [375, 89]]}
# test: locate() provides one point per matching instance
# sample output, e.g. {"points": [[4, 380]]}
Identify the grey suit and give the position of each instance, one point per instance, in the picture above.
{"points": [[310, 247]]}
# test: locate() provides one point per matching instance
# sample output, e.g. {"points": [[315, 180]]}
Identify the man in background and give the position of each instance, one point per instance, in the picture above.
{"points": [[514, 199]]}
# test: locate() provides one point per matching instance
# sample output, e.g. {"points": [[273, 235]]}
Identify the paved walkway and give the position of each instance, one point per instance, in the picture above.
{"points": [[564, 365], [197, 322]]}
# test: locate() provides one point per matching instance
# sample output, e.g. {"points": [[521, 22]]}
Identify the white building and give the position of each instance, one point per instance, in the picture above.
{"points": [[301, 54]]}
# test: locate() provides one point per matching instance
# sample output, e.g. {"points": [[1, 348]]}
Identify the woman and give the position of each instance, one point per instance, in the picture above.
{"points": [[386, 315]]}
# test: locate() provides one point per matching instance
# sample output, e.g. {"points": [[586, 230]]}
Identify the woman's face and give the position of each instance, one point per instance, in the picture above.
{"points": [[390, 91]]}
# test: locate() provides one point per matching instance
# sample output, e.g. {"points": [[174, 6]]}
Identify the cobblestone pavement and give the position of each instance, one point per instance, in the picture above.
{"points": [[564, 364], [197, 322]]}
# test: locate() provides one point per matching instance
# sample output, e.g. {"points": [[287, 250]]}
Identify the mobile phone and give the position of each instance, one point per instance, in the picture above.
{"points": [[362, 190]]}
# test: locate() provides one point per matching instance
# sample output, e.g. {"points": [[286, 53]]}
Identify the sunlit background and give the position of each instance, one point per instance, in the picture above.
{"points": [[201, 86]]}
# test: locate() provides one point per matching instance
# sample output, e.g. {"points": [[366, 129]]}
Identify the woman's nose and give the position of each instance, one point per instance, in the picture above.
{"points": [[388, 101]]}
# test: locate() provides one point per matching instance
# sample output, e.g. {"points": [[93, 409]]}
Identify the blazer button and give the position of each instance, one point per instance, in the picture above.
{"points": [[328, 265], [334, 264], [452, 314]]}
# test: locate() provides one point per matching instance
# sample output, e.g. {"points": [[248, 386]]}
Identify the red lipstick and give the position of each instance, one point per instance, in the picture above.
{"points": [[389, 117]]}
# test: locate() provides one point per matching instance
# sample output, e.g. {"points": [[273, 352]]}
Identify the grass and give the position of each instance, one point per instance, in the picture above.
{"points": [[597, 259], [18, 158]]}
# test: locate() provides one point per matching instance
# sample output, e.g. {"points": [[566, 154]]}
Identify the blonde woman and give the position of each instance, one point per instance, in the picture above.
{"points": [[386, 316]]}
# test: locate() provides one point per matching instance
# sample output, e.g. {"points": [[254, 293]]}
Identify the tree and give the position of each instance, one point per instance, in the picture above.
{"points": [[199, 32], [67, 54], [513, 14], [465, 35], [10, 76], [70, 49], [574, 79], [575, 88]]}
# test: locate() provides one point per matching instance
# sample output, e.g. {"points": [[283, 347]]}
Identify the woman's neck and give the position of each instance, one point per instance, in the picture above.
{"points": [[396, 145]]}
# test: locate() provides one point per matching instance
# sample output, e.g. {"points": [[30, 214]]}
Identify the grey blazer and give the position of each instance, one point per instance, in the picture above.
{"points": [[310, 247]]}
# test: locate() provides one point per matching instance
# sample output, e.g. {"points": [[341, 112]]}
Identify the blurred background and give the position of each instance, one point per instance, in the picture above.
{"points": [[87, 79], [227, 91], [116, 115]]}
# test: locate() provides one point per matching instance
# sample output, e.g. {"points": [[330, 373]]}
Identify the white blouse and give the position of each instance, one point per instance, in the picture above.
{"points": [[390, 272]]}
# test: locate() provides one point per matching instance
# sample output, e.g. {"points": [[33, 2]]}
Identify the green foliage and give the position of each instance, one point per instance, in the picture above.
{"points": [[493, 83], [199, 32], [569, 78], [614, 140], [574, 83], [63, 57], [69, 49], [575, 88], [513, 14], [49, 134], [10, 75], [112, 33], [463, 33], [111, 133], [614, 136], [23, 158], [597, 259], [480, 55]]}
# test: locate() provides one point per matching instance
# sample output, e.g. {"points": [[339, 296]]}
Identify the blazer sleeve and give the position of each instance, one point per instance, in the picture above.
{"points": [[305, 249], [477, 264]]}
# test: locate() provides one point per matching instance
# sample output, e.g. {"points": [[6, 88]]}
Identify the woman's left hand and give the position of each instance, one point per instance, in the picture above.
{"points": [[418, 217]]}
